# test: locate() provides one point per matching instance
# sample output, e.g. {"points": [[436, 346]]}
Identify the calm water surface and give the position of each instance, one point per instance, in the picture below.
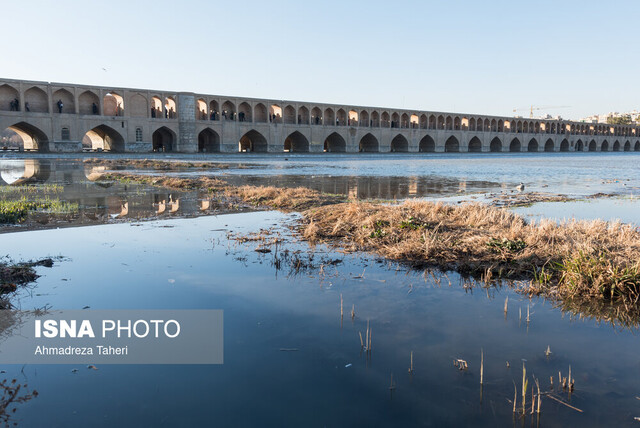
{"points": [[189, 263]]}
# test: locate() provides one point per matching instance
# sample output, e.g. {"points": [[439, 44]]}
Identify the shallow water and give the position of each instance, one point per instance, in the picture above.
{"points": [[188, 263]]}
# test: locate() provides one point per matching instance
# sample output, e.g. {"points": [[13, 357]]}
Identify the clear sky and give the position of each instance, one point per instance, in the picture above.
{"points": [[465, 56]]}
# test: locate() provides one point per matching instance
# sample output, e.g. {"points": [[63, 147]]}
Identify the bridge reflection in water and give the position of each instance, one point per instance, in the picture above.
{"points": [[100, 200]]}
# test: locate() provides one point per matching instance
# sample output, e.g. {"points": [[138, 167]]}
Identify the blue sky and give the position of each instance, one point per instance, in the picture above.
{"points": [[465, 56]]}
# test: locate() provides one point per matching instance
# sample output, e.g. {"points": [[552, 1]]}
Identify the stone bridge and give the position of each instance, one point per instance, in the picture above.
{"points": [[58, 117]]}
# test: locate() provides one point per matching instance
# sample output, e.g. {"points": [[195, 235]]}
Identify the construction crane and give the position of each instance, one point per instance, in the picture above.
{"points": [[532, 108]]}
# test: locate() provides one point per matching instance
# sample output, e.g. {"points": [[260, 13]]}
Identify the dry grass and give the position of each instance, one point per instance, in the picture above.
{"points": [[593, 259], [159, 165], [575, 260]]}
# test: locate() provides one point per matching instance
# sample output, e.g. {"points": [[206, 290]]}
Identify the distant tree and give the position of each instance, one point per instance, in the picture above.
{"points": [[619, 120]]}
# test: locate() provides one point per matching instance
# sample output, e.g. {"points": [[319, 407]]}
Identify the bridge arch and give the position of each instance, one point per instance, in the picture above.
{"points": [[163, 139], [208, 141], [138, 106], [303, 115], [202, 112], [329, 117], [579, 146], [549, 146], [32, 137], [627, 146], [88, 103], [369, 144], [228, 111], [253, 141], [427, 144], [214, 110], [592, 146], [296, 143], [515, 145], [112, 104], [103, 137], [636, 148], [37, 100], [496, 145], [316, 116], [363, 119], [605, 146], [335, 143], [67, 101], [452, 145], [260, 113], [290, 115], [7, 96], [475, 145], [244, 112], [385, 120], [341, 117], [616, 146], [375, 119], [533, 145], [399, 144]]}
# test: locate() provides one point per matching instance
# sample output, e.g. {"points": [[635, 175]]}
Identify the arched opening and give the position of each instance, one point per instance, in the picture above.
{"points": [[316, 116], [432, 122], [549, 146], [202, 113], [496, 145], [228, 111], [253, 141], [385, 120], [375, 119], [63, 102], [244, 113], [515, 145], [564, 146], [616, 146], [427, 144], [208, 141], [296, 143], [214, 110], [335, 144], [363, 119], [88, 103], [156, 108], [605, 146], [452, 145], [456, 123], [395, 120], [475, 145], [35, 100], [170, 110], [579, 146], [353, 118], [103, 138], [449, 123], [275, 113], [627, 146], [260, 113], [9, 98], [424, 121], [290, 115], [163, 140], [341, 118], [112, 105], [592, 146], [636, 148], [137, 106], [303, 116], [405, 120], [369, 143], [532, 146], [23, 136], [399, 144], [329, 117]]}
